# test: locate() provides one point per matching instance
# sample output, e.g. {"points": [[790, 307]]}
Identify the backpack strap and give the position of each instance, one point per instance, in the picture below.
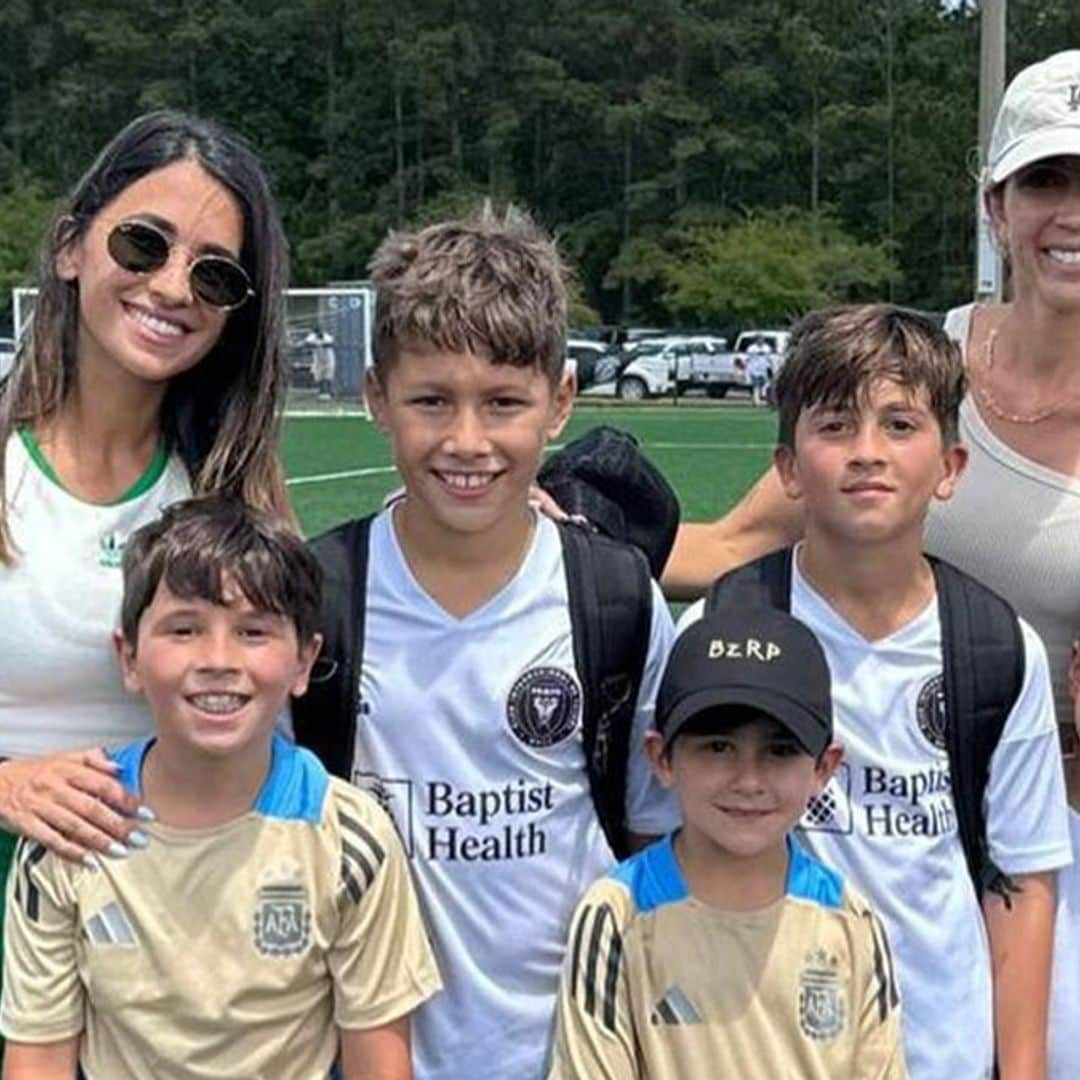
{"points": [[765, 582], [983, 671], [324, 719], [610, 600], [983, 662]]}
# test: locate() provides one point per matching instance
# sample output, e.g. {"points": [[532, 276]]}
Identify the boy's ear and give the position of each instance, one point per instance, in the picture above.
{"points": [[784, 462], [562, 404], [659, 758], [826, 765], [309, 652], [376, 400], [125, 653], [954, 459]]}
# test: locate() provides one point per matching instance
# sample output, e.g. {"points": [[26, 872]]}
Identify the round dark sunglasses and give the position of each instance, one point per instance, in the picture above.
{"points": [[142, 248]]}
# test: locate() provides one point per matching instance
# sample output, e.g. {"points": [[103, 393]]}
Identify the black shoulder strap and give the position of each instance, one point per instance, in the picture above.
{"points": [[983, 663], [610, 599], [765, 582], [324, 719]]}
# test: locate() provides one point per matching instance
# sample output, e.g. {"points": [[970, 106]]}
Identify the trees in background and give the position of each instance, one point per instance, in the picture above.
{"points": [[702, 160]]}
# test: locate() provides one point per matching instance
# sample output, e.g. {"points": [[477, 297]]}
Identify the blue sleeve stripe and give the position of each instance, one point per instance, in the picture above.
{"points": [[652, 876], [129, 758], [295, 788], [811, 880]]}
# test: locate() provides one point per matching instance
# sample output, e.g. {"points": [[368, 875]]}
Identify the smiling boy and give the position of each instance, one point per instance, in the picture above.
{"points": [[269, 927], [463, 701], [724, 949], [951, 798]]}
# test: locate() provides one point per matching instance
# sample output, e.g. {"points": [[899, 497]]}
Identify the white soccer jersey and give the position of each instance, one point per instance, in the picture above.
{"points": [[469, 733], [887, 820], [60, 686]]}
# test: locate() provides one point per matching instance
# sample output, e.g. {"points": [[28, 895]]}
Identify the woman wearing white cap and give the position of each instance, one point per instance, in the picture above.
{"points": [[1014, 521]]}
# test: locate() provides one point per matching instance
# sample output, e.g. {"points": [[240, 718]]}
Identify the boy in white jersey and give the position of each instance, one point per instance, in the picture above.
{"points": [[270, 928], [470, 718], [868, 437], [724, 949]]}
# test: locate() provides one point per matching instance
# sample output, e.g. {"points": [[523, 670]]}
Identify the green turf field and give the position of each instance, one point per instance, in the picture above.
{"points": [[339, 466]]}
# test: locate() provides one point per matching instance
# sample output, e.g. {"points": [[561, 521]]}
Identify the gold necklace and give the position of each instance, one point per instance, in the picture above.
{"points": [[986, 395]]}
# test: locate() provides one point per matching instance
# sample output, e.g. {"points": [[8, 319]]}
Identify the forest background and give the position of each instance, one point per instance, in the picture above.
{"points": [[704, 162]]}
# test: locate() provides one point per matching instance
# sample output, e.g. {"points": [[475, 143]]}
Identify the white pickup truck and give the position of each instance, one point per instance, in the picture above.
{"points": [[672, 364]]}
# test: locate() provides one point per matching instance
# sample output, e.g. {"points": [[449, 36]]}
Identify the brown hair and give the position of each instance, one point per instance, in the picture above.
{"points": [[223, 415], [488, 284], [201, 546], [837, 354]]}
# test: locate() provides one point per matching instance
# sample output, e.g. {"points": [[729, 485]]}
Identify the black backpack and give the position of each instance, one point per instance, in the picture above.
{"points": [[610, 595], [983, 671]]}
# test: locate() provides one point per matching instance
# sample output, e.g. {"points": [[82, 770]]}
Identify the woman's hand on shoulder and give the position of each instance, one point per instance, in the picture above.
{"points": [[72, 803]]}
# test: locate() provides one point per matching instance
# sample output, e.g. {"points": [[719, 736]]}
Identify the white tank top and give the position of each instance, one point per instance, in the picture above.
{"points": [[1015, 525]]}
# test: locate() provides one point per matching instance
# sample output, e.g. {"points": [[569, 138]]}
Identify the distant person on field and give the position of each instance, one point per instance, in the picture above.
{"points": [[456, 690], [758, 370], [868, 401], [270, 928], [323, 362], [725, 949]]}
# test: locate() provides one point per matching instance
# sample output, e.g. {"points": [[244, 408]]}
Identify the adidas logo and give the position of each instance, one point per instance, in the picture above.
{"points": [[110, 927], [675, 1008]]}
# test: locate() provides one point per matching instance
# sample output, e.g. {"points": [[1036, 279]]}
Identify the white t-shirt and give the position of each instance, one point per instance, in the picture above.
{"points": [[887, 821], [1065, 988], [469, 734], [60, 686]]}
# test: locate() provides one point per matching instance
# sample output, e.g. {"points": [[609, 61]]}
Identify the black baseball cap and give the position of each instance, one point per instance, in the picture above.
{"points": [[760, 658]]}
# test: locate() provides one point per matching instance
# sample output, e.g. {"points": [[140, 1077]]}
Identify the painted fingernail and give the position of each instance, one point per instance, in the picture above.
{"points": [[117, 850], [144, 813], [137, 839], [89, 861]]}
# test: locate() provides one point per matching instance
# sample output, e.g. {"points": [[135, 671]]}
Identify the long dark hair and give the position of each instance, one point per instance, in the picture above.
{"points": [[222, 415]]}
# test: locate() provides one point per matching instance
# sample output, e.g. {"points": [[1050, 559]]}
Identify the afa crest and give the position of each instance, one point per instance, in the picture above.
{"points": [[282, 920], [822, 1009]]}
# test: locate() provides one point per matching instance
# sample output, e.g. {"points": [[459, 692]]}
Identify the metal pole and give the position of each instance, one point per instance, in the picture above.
{"points": [[988, 270]]}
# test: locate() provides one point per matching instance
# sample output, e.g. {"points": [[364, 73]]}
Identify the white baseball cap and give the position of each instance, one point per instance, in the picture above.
{"points": [[1039, 116]]}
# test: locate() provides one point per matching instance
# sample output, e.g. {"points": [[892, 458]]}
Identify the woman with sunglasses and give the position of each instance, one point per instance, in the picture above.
{"points": [[152, 369]]}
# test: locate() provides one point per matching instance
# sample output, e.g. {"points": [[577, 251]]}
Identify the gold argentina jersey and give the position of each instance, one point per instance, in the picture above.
{"points": [[659, 985], [232, 951]]}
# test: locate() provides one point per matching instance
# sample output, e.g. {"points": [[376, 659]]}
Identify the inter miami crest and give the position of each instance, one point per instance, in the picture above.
{"points": [[282, 920], [822, 1010], [930, 711], [544, 707]]}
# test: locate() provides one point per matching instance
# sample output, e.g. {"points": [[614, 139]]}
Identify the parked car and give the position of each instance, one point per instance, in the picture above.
{"points": [[716, 370], [595, 362], [7, 354], [648, 372], [775, 340], [662, 365]]}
